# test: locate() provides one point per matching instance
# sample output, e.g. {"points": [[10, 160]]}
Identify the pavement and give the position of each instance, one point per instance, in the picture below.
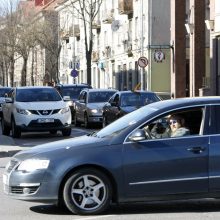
{"points": [[8, 147]]}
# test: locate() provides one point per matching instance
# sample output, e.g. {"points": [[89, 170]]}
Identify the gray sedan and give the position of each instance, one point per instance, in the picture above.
{"points": [[123, 162]]}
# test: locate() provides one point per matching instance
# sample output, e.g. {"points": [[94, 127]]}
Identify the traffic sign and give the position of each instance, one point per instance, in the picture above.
{"points": [[142, 62], [74, 73]]}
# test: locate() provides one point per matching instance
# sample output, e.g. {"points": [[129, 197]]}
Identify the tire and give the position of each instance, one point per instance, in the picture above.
{"points": [[104, 121], [86, 121], [76, 122], [53, 131], [66, 132], [87, 192], [5, 128], [16, 131]]}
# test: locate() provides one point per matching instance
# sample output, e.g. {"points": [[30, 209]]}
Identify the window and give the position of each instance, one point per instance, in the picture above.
{"points": [[176, 124]]}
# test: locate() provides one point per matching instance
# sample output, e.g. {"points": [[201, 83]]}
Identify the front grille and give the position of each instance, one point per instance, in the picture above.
{"points": [[20, 189], [11, 165], [44, 112]]}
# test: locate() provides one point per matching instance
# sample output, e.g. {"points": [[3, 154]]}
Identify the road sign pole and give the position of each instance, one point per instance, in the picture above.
{"points": [[142, 45]]}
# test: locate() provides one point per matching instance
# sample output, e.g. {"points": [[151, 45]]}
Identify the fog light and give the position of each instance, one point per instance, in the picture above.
{"points": [[26, 191]]}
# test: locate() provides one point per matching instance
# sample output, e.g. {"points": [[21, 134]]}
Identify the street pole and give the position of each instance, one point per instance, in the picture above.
{"points": [[142, 45]]}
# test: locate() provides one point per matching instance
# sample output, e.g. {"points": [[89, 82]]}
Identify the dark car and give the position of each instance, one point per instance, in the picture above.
{"points": [[3, 92], [73, 91], [88, 109], [124, 162], [124, 102]]}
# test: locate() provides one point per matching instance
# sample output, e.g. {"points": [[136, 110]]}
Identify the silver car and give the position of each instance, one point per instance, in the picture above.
{"points": [[88, 108], [3, 92]]}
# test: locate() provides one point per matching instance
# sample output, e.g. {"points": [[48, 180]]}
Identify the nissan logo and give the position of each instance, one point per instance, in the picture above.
{"points": [[45, 112]]}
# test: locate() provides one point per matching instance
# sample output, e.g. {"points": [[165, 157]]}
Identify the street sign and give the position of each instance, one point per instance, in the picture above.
{"points": [[142, 62], [74, 73]]}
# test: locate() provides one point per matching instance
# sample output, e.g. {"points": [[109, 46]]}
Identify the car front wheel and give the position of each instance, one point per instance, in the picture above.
{"points": [[66, 132], [87, 191], [16, 131], [5, 128]]}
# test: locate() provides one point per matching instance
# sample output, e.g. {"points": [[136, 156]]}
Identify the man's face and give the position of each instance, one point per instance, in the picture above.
{"points": [[174, 124]]}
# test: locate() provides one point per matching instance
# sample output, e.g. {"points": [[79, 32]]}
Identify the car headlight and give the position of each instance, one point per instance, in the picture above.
{"points": [[23, 111], [94, 111], [64, 110], [70, 103], [33, 164]]}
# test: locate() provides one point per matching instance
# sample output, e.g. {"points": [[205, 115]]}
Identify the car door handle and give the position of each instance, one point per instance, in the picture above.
{"points": [[196, 150]]}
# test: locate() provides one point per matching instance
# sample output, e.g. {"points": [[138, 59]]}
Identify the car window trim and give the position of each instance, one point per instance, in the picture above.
{"points": [[205, 106]]}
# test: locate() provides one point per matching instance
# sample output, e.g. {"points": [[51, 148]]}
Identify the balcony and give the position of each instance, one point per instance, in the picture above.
{"points": [[76, 32], [96, 24], [64, 35], [125, 7], [95, 56], [107, 16]]}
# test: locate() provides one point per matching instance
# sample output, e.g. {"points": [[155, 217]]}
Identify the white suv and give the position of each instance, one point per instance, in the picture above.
{"points": [[35, 108]]}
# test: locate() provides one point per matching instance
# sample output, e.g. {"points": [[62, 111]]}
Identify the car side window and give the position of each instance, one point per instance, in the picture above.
{"points": [[176, 124]]}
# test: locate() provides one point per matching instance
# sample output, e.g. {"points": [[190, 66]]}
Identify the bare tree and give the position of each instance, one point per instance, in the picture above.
{"points": [[9, 24], [87, 11], [47, 38]]}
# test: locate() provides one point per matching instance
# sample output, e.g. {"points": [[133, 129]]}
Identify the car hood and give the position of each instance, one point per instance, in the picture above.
{"points": [[62, 145], [96, 105], [41, 105], [128, 109], [2, 99]]}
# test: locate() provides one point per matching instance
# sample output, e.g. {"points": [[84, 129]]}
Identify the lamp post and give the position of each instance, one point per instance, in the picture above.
{"points": [[142, 44]]}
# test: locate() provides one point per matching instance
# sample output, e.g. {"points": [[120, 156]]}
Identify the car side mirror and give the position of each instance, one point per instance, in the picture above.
{"points": [[113, 104], [8, 100], [66, 98], [138, 135]]}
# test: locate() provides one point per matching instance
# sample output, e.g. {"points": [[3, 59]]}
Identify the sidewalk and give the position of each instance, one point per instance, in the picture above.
{"points": [[8, 147]]}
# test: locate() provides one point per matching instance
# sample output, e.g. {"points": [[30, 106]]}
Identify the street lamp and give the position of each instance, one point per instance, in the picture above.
{"points": [[210, 24]]}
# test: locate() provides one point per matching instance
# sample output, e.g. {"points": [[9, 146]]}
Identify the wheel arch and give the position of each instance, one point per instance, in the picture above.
{"points": [[91, 166]]}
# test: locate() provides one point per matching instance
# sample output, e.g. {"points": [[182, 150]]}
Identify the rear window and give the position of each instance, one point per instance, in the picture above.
{"points": [[138, 99], [3, 91], [37, 95], [73, 92]]}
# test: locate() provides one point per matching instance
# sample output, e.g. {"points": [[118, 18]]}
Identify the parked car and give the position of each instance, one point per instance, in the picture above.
{"points": [[73, 91], [3, 92], [123, 163], [35, 109], [88, 109], [124, 102]]}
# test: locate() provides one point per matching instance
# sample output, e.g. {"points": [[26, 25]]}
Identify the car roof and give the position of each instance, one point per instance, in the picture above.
{"points": [[34, 87], [74, 85], [100, 90], [136, 91], [184, 102]]}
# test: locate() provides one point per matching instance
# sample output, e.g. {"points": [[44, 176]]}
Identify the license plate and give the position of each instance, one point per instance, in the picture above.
{"points": [[45, 120]]}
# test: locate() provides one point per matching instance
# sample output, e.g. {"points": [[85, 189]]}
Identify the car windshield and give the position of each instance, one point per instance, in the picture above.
{"points": [[37, 95], [124, 122], [3, 91], [138, 99], [73, 92], [100, 96]]}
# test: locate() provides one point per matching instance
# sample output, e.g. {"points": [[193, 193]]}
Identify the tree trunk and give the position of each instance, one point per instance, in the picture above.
{"points": [[88, 65], [24, 72], [11, 71], [32, 69]]}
